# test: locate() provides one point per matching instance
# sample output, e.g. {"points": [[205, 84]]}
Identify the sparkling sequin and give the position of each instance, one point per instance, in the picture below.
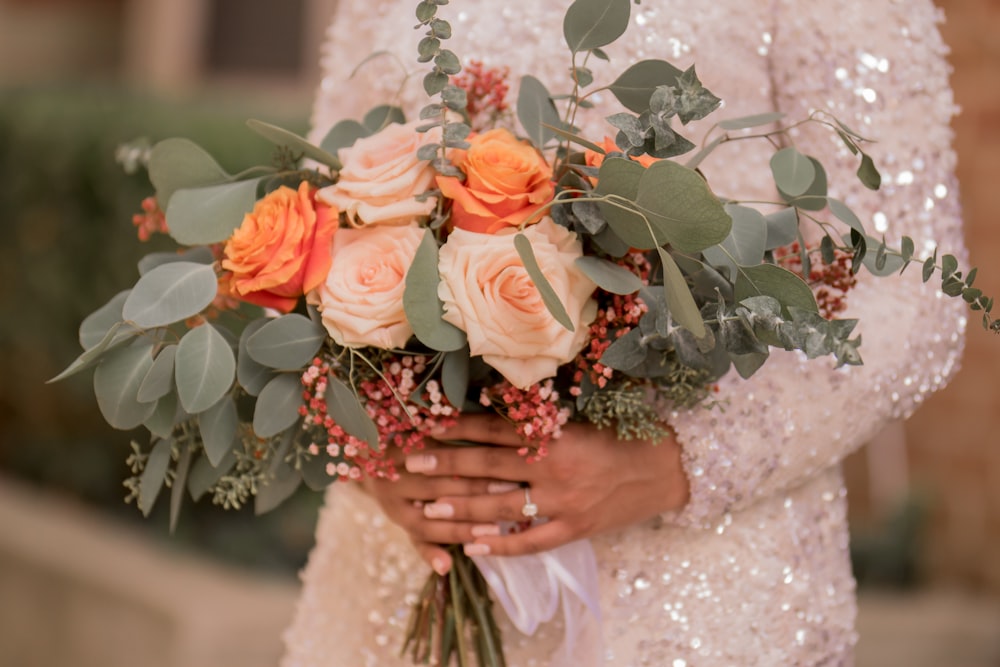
{"points": [[755, 570]]}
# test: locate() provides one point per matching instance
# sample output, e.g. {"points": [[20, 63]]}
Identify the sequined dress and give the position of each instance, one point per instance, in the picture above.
{"points": [[755, 570]]}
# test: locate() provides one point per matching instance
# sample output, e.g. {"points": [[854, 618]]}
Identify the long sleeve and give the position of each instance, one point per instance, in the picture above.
{"points": [[880, 68]]}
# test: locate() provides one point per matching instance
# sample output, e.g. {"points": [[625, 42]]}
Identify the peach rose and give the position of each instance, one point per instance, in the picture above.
{"points": [[281, 249], [381, 177], [488, 294], [361, 302], [506, 182]]}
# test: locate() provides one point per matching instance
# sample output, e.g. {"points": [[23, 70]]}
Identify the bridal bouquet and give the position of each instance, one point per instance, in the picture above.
{"points": [[327, 312]]}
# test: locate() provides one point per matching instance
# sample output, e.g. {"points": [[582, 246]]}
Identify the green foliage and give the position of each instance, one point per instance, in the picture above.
{"points": [[424, 310]]}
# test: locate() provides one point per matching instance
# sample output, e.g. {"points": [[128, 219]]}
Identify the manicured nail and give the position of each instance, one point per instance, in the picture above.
{"points": [[485, 530], [502, 487], [421, 463], [440, 565], [476, 549], [438, 511]]}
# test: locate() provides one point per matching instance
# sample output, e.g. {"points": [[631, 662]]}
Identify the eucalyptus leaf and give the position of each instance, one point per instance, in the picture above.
{"points": [[774, 281], [345, 407], [887, 265], [455, 376], [313, 471], [204, 475], [161, 422], [170, 293], [343, 135], [282, 480], [680, 301], [278, 405], [756, 120], [204, 368], [680, 206], [382, 116], [116, 385], [747, 240], [626, 352], [159, 380], [151, 480], [282, 137], [96, 325], [591, 24], [251, 374], [636, 85], [610, 277], [198, 254], [287, 342], [219, 427], [868, 173], [618, 180], [177, 164], [536, 111], [549, 296], [845, 214], [793, 172], [782, 227], [815, 197], [199, 216], [424, 310], [178, 485], [117, 335]]}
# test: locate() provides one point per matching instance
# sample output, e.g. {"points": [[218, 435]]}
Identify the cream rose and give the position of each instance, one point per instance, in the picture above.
{"points": [[488, 294], [381, 177], [361, 301]]}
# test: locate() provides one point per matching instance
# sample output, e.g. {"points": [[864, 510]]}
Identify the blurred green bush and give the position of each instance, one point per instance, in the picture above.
{"points": [[68, 245]]}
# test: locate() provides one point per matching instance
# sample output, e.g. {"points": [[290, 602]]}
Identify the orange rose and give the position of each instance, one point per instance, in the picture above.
{"points": [[282, 249], [595, 159], [507, 182]]}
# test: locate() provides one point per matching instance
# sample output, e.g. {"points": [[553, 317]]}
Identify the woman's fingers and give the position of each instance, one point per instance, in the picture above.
{"points": [[486, 428], [435, 556], [494, 508], [537, 538], [424, 487], [500, 463]]}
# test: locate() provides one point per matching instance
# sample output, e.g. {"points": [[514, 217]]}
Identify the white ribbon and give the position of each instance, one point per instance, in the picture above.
{"points": [[530, 588]]}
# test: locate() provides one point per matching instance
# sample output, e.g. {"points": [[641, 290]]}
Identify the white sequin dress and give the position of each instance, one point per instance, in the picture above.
{"points": [[755, 570]]}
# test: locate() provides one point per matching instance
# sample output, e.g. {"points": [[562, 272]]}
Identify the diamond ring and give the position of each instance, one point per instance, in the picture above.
{"points": [[529, 509]]}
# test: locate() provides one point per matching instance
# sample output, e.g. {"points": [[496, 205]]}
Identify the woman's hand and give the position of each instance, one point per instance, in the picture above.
{"points": [[406, 501], [589, 483]]}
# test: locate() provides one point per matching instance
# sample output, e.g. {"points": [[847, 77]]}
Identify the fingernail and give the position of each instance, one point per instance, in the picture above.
{"points": [[439, 511], [485, 530], [440, 565], [476, 549], [421, 463], [501, 487], [438, 431]]}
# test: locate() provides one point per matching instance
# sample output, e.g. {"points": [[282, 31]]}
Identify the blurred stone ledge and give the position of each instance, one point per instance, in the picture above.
{"points": [[79, 589]]}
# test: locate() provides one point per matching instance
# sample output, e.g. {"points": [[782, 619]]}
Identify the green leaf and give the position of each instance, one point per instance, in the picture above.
{"points": [[868, 173], [313, 470], [448, 62], [118, 334], [286, 343], [343, 135], [382, 116], [170, 293], [881, 263], [747, 239], [345, 407], [204, 475], [781, 284], [159, 379], [455, 376], [161, 422], [680, 206], [177, 488], [278, 405], [746, 122], [793, 172], [153, 475], [574, 138], [591, 24], [535, 110], [928, 269], [282, 480], [435, 82], [177, 164], [618, 178], [782, 227], [549, 296], [424, 310], [96, 325], [610, 277], [845, 214], [626, 352], [949, 264], [204, 368], [199, 216], [252, 375], [116, 385], [813, 199], [907, 248], [279, 136], [680, 301], [219, 425], [636, 85], [198, 254]]}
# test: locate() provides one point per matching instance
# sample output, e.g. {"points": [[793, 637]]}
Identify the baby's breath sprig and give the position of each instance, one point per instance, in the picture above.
{"points": [[437, 83]]}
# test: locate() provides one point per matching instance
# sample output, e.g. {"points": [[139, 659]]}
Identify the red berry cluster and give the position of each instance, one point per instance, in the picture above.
{"points": [[830, 282], [536, 413], [486, 91], [390, 401], [151, 221]]}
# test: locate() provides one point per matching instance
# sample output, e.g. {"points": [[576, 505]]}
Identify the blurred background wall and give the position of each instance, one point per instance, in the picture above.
{"points": [[78, 77]]}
